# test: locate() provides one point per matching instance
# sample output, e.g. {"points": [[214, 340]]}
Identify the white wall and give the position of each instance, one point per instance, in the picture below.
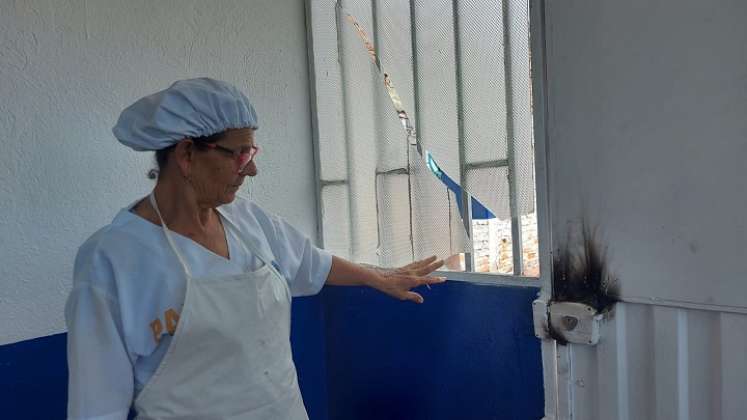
{"points": [[648, 134], [67, 68]]}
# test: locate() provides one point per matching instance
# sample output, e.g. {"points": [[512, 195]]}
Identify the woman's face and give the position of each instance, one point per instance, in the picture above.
{"points": [[214, 173]]}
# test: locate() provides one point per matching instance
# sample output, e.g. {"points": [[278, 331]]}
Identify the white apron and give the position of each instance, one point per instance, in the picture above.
{"points": [[230, 356]]}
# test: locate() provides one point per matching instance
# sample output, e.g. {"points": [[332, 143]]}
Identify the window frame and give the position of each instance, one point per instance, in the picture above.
{"points": [[539, 116]]}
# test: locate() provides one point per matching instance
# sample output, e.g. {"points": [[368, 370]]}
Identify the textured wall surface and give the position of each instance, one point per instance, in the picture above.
{"points": [[67, 68]]}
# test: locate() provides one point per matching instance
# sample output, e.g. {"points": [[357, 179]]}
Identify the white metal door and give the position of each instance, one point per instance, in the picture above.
{"points": [[645, 136]]}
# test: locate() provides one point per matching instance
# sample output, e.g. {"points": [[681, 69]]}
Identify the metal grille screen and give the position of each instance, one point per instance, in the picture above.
{"points": [[461, 70]]}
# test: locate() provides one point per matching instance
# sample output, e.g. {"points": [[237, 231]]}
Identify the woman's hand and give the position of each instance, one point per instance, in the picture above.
{"points": [[398, 282], [394, 282]]}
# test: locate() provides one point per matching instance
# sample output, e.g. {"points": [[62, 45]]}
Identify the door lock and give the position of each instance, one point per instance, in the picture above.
{"points": [[569, 322]]}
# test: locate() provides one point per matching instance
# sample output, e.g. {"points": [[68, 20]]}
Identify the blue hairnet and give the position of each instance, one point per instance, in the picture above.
{"points": [[188, 108]]}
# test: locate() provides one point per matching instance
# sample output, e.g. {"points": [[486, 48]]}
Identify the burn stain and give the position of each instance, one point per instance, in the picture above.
{"points": [[581, 274]]}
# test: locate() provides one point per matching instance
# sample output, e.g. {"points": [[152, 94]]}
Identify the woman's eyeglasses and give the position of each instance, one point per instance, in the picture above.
{"points": [[242, 156]]}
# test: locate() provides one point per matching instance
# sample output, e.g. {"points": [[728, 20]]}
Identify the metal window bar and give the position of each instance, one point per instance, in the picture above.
{"points": [[516, 240], [314, 120], [416, 100], [376, 122], [346, 131], [469, 254]]}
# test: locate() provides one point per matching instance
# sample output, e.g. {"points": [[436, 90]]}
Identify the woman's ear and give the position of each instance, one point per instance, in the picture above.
{"points": [[184, 154]]}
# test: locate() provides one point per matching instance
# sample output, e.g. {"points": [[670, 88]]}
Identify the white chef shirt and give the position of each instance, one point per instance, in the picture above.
{"points": [[128, 290]]}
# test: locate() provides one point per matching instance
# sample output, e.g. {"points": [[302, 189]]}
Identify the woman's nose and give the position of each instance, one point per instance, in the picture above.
{"points": [[249, 170]]}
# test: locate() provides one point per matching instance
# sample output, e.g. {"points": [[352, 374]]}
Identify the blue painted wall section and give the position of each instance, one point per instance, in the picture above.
{"points": [[468, 352], [33, 379], [307, 340]]}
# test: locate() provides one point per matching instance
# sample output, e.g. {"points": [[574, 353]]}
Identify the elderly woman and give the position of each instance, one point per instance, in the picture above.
{"points": [[181, 306]]}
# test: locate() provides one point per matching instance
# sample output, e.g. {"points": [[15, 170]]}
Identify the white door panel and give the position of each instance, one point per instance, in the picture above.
{"points": [[646, 137]]}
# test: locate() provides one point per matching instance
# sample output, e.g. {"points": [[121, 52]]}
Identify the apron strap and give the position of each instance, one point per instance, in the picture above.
{"points": [[167, 232]]}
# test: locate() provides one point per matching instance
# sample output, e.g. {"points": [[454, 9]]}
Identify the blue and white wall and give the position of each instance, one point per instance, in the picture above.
{"points": [[67, 68]]}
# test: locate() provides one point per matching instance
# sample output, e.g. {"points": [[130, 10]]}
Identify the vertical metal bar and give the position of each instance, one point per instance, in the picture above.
{"points": [[409, 166], [622, 367], [314, 117], [375, 29], [409, 203], [683, 367], [376, 128], [346, 125], [510, 153], [541, 141], [564, 385], [469, 257], [551, 358], [418, 120]]}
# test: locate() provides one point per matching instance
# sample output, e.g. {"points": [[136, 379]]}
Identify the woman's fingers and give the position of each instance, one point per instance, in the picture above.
{"points": [[424, 261], [412, 282], [428, 260], [401, 284], [414, 297], [427, 269], [430, 280], [422, 267], [416, 265], [431, 267]]}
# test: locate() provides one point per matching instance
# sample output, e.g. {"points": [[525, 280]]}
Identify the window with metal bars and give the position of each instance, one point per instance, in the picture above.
{"points": [[423, 132]]}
